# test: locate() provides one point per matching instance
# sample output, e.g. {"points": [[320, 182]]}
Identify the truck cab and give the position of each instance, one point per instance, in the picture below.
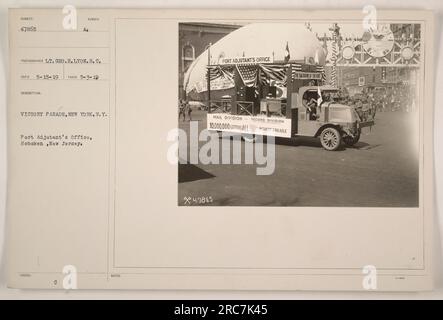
{"points": [[319, 112]]}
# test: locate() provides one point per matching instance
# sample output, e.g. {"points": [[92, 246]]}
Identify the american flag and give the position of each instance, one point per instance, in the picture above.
{"points": [[248, 74]]}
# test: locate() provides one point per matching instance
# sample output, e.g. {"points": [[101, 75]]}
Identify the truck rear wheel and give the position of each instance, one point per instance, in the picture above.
{"points": [[330, 139]]}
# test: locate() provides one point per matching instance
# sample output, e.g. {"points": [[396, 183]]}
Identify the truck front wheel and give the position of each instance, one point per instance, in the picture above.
{"points": [[330, 139]]}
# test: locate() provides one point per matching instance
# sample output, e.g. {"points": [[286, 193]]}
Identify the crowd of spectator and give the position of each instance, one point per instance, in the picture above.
{"points": [[390, 99]]}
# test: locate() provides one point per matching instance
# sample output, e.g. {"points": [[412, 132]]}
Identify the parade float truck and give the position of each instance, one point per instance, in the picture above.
{"points": [[282, 100]]}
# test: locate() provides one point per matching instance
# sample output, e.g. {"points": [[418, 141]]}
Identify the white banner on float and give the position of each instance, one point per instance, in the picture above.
{"points": [[260, 124], [246, 60]]}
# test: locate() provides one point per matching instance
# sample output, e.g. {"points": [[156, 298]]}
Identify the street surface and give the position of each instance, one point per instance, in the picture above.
{"points": [[381, 170]]}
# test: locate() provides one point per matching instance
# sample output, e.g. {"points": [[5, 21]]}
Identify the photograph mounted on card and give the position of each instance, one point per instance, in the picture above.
{"points": [[220, 149]]}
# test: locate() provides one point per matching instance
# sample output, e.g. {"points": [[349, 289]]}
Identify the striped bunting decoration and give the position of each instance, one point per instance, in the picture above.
{"points": [[248, 74], [216, 72], [273, 72], [268, 73]]}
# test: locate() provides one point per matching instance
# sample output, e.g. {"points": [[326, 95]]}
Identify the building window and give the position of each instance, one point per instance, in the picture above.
{"points": [[188, 56]]}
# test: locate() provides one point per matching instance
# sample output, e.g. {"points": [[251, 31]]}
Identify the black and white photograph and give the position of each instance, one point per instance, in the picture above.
{"points": [[253, 153], [299, 113]]}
